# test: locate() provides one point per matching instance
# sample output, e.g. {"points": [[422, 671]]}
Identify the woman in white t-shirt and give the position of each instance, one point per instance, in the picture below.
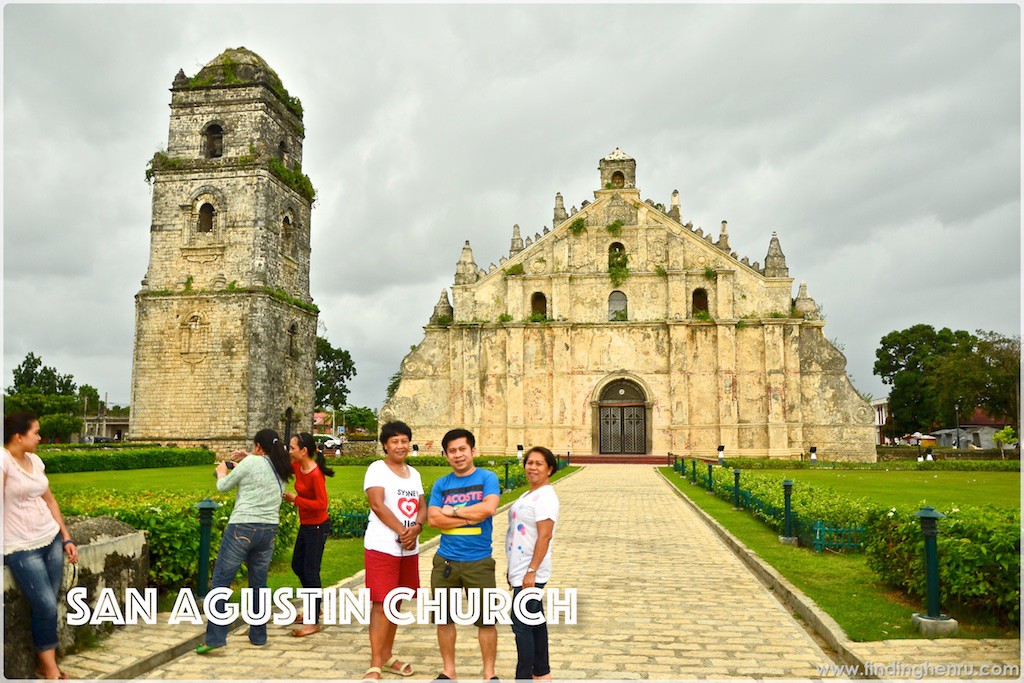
{"points": [[531, 529], [35, 536], [398, 512]]}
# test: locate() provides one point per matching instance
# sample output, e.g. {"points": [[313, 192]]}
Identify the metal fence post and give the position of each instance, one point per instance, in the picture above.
{"points": [[711, 488], [506, 476], [787, 490], [693, 476], [206, 507], [935, 622], [736, 489]]}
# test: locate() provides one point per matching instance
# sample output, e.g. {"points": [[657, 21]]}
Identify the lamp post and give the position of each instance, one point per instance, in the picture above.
{"points": [[721, 456], [957, 407], [934, 622], [814, 454]]}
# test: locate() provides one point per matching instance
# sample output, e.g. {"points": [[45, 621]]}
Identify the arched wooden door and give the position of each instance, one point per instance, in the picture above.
{"points": [[622, 412]]}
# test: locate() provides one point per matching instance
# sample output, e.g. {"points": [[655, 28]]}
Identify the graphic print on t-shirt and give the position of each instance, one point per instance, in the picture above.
{"points": [[460, 498]]}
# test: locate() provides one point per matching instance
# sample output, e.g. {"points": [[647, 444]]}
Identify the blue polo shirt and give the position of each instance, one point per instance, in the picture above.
{"points": [[472, 542]]}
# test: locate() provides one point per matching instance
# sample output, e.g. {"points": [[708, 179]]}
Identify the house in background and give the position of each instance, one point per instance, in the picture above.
{"points": [[880, 408], [976, 432]]}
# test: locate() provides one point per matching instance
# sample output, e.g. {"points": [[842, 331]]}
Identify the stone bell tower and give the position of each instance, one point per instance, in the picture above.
{"points": [[225, 327]]}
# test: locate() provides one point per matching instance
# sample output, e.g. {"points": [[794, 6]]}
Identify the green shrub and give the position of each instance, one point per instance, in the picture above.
{"points": [[172, 527], [979, 557], [538, 318], [614, 228], [660, 271], [577, 227], [504, 318], [897, 465], [95, 460], [703, 316], [444, 320], [515, 269], [710, 273], [293, 178]]}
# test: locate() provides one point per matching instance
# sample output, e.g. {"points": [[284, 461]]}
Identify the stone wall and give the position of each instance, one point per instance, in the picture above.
{"points": [[111, 554]]}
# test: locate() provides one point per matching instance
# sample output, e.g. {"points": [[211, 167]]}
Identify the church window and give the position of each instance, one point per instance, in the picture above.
{"points": [[287, 235], [618, 306], [700, 301], [282, 150], [293, 344], [539, 304], [206, 213], [618, 180], [214, 141]]}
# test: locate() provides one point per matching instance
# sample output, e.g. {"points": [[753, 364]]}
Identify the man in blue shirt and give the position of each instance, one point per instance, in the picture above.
{"points": [[461, 506]]}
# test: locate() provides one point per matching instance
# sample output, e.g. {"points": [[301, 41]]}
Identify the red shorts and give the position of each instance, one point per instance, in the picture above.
{"points": [[384, 573]]}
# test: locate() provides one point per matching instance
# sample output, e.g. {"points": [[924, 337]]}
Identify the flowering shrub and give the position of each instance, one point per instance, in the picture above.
{"points": [[978, 550]]}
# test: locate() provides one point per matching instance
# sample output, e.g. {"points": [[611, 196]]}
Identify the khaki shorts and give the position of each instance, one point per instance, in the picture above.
{"points": [[474, 574]]}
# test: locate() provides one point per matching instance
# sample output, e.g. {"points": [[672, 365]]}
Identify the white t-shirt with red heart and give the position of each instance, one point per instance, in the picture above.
{"points": [[402, 497]]}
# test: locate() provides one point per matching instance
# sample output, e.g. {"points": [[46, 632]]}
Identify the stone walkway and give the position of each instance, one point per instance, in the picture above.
{"points": [[659, 597]]}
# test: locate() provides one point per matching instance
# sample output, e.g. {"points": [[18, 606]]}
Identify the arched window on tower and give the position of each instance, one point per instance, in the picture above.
{"points": [[206, 214], [293, 340], [214, 142], [539, 305], [287, 236], [618, 307], [618, 180], [700, 301], [282, 150]]}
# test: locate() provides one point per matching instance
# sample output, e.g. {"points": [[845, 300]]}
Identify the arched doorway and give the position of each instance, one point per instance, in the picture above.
{"points": [[622, 412]]}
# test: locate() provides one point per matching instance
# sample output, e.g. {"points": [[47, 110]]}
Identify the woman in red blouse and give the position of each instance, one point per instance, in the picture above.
{"points": [[311, 498]]}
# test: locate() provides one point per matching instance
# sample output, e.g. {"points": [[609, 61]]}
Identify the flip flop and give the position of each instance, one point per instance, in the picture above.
{"points": [[373, 670], [297, 632], [389, 667], [206, 649]]}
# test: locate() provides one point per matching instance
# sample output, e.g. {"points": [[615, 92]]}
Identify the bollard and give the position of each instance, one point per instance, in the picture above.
{"points": [[935, 622], [506, 477], [567, 458], [930, 517], [787, 490], [693, 476], [711, 488], [736, 489], [206, 507]]}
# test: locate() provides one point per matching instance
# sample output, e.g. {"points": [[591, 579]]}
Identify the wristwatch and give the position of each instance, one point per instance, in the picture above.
{"points": [[531, 569]]}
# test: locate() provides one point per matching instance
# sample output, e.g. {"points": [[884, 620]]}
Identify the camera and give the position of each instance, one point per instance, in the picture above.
{"points": [[230, 464]]}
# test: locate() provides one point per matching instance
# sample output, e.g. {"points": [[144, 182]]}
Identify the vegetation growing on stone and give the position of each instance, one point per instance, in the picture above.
{"points": [[703, 316], [618, 267], [710, 273], [578, 227], [161, 162], [614, 228], [660, 271], [293, 178], [515, 269], [504, 318]]}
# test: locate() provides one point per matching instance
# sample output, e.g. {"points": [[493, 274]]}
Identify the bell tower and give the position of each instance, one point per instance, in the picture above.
{"points": [[225, 327]]}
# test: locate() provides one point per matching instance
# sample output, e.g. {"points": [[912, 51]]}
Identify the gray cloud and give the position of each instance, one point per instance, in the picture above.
{"points": [[881, 142]]}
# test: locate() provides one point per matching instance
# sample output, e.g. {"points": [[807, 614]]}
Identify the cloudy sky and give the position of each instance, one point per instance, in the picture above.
{"points": [[881, 142]]}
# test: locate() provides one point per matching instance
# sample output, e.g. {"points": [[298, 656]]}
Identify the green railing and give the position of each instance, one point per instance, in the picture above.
{"points": [[817, 534]]}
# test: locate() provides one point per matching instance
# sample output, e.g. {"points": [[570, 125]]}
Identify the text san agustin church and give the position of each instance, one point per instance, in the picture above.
{"points": [[623, 330]]}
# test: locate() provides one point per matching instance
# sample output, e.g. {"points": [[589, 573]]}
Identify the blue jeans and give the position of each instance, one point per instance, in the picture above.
{"points": [[531, 641], [306, 558], [252, 544], [38, 573]]}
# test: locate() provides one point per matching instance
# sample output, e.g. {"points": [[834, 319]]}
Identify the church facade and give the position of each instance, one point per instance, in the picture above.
{"points": [[225, 326], [625, 331]]}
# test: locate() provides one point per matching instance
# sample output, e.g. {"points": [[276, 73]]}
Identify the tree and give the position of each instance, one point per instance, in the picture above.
{"points": [[25, 373], [393, 383], [59, 426], [32, 374], [357, 416], [907, 359], [89, 399], [1003, 438], [1001, 357], [334, 367]]}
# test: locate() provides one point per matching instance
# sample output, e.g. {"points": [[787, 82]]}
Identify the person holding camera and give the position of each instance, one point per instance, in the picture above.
{"points": [[252, 528], [35, 536], [310, 497]]}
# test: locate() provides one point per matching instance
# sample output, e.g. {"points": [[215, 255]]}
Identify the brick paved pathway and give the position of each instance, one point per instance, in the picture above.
{"points": [[660, 597]]}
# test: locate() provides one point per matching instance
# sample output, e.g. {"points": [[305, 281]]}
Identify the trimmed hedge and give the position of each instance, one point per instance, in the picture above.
{"points": [[979, 557], [43, 447], [171, 524], [124, 459], [893, 465], [425, 461], [890, 453]]}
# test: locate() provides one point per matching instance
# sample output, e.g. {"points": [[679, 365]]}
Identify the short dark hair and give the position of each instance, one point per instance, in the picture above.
{"points": [[458, 434], [394, 428], [16, 424], [549, 458]]}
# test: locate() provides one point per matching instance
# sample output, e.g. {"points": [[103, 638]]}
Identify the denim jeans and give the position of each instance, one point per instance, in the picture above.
{"points": [[306, 558], [531, 641], [252, 544], [38, 573]]}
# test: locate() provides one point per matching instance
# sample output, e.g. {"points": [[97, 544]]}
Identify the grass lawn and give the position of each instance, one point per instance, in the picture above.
{"points": [[841, 584], [938, 489], [199, 480]]}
